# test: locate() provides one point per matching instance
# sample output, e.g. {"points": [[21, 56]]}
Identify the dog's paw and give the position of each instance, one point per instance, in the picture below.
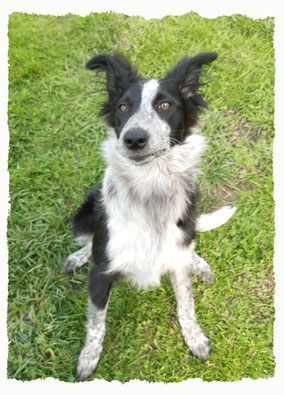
{"points": [[207, 275], [77, 259], [202, 269], [74, 262], [69, 264], [199, 345], [87, 363]]}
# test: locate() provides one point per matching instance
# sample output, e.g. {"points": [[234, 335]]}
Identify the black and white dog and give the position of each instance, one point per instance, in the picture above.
{"points": [[140, 223]]}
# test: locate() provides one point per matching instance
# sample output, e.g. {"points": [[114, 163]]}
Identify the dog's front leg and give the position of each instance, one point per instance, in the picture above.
{"points": [[195, 339], [99, 291], [90, 354]]}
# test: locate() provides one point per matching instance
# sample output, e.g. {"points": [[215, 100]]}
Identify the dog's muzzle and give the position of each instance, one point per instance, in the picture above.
{"points": [[138, 151]]}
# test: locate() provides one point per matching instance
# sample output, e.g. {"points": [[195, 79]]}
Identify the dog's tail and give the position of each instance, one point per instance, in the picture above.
{"points": [[213, 220]]}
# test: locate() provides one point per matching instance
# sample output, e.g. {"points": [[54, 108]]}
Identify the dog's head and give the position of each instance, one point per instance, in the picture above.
{"points": [[150, 116]]}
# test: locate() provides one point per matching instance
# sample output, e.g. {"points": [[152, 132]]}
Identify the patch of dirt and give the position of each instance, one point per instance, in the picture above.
{"points": [[219, 195], [241, 128], [215, 196], [266, 287], [230, 193]]}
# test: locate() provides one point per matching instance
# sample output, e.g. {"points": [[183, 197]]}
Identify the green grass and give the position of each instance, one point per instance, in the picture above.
{"points": [[54, 160]]}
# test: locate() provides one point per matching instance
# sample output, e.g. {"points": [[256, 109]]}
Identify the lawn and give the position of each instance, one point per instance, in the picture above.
{"points": [[54, 159]]}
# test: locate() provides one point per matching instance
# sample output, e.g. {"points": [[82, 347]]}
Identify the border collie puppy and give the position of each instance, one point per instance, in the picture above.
{"points": [[140, 223]]}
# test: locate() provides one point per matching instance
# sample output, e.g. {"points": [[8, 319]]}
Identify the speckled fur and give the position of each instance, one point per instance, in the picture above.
{"points": [[90, 353]]}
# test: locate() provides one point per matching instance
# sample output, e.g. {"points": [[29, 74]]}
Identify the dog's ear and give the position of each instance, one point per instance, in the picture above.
{"points": [[119, 72], [187, 72]]}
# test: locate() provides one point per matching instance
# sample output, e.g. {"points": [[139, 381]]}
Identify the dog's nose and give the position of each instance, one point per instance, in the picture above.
{"points": [[135, 139]]}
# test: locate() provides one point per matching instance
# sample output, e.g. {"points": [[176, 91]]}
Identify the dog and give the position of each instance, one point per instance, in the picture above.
{"points": [[141, 221]]}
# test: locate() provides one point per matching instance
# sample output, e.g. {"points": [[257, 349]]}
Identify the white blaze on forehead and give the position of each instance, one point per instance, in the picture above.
{"points": [[149, 93], [146, 110]]}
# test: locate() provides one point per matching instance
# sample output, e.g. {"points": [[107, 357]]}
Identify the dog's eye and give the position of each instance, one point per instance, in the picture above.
{"points": [[123, 108], [165, 105]]}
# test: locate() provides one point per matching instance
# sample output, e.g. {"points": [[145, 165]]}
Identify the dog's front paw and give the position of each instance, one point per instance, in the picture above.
{"points": [[199, 345], [87, 363]]}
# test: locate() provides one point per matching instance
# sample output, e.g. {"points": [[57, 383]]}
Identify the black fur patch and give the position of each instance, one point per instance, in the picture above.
{"points": [[132, 98], [91, 219], [100, 284], [188, 220], [85, 220], [176, 116], [185, 77], [120, 75]]}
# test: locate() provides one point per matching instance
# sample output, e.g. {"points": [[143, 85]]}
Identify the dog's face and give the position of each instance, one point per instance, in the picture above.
{"points": [[149, 117]]}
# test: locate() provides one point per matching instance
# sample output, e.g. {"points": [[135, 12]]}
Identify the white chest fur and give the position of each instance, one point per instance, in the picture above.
{"points": [[143, 205], [138, 249]]}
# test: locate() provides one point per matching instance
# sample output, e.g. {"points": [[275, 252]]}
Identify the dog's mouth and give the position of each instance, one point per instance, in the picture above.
{"points": [[139, 160]]}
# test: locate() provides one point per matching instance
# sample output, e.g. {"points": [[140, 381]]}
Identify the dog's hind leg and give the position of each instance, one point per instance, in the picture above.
{"points": [[99, 291], [201, 268], [86, 220], [77, 259], [195, 339]]}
